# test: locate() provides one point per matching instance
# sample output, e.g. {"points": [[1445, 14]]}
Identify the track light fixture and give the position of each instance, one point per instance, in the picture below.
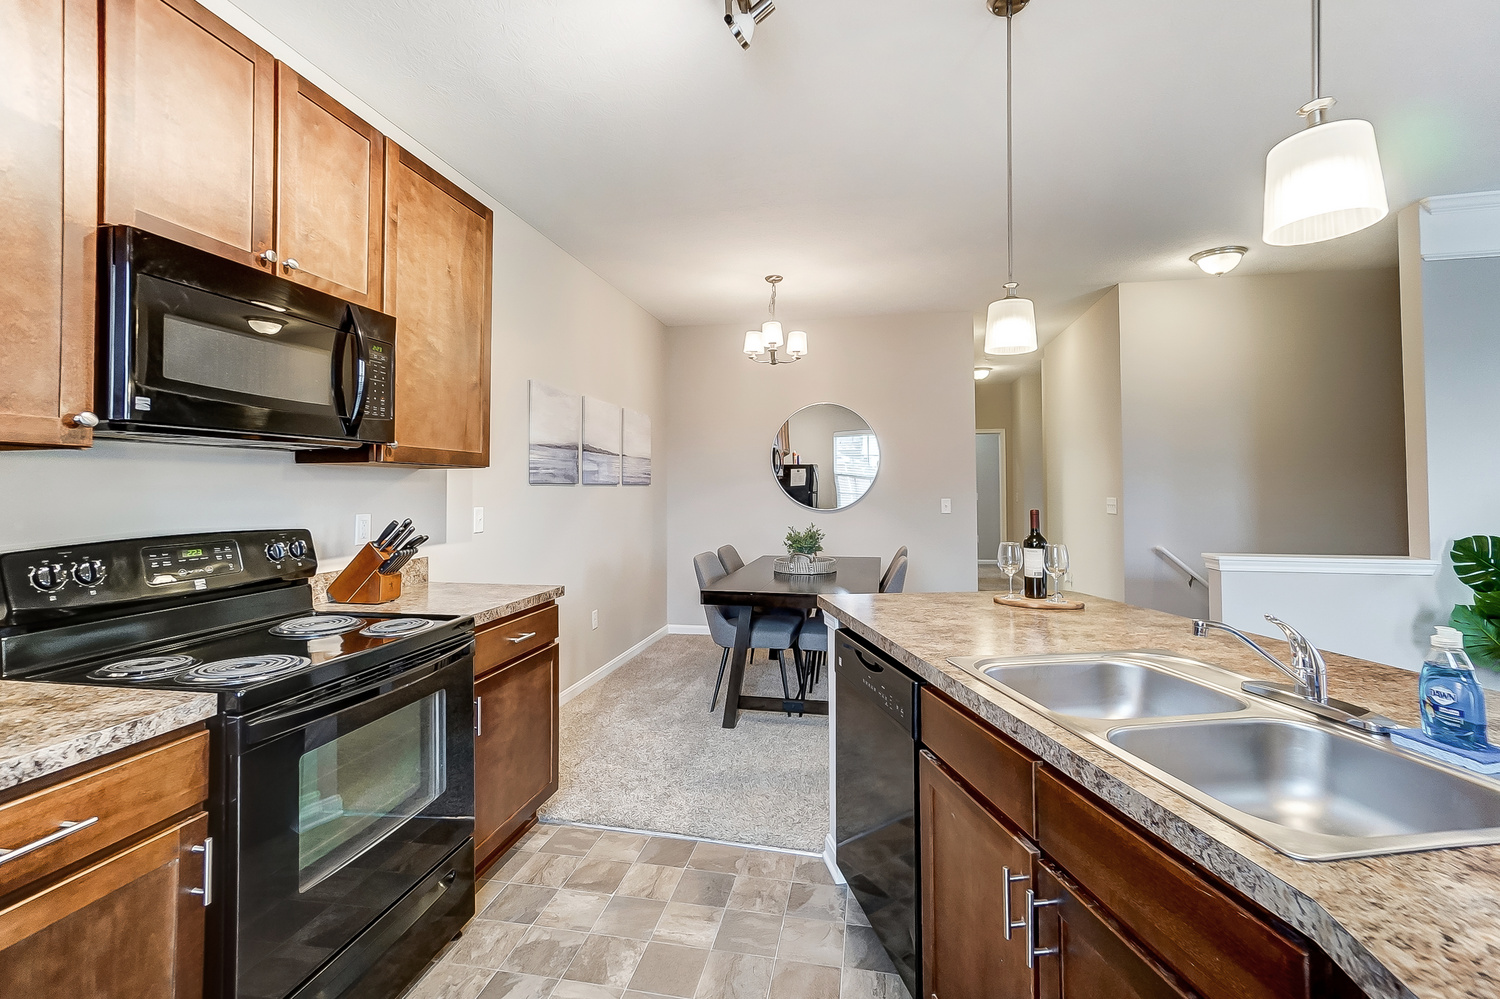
{"points": [[742, 16]]}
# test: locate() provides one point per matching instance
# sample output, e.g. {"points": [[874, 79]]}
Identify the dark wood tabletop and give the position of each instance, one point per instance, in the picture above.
{"points": [[757, 584]]}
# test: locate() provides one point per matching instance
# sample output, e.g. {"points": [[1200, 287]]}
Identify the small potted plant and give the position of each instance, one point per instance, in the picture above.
{"points": [[802, 548]]}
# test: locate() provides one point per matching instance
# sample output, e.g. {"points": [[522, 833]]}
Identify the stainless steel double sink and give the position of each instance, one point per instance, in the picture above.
{"points": [[1312, 789]]}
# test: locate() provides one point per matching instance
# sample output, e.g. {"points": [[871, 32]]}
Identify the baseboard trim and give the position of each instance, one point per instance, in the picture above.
{"points": [[612, 665], [831, 859], [687, 629]]}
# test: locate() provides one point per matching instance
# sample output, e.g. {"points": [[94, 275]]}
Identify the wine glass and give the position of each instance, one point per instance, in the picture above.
{"points": [[1057, 568], [1009, 559]]}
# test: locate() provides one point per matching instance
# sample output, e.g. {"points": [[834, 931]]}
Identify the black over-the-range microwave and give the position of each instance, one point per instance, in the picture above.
{"points": [[199, 349]]}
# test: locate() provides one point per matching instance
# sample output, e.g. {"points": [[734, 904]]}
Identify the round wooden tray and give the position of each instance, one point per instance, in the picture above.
{"points": [[1034, 604]]}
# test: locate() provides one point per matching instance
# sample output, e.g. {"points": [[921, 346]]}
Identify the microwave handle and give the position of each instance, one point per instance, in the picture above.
{"points": [[352, 417]]}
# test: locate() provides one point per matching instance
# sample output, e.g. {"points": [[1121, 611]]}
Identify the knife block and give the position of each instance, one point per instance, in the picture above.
{"points": [[362, 583]]}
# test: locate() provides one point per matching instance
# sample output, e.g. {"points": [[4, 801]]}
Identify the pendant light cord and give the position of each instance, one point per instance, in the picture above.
{"points": [[1010, 162], [1317, 49]]}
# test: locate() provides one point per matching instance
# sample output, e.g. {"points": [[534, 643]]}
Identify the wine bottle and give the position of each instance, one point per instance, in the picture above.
{"points": [[1034, 559]]}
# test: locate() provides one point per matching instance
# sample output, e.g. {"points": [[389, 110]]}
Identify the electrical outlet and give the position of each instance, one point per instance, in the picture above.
{"points": [[1111, 505], [947, 505], [361, 528], [595, 620], [479, 520]]}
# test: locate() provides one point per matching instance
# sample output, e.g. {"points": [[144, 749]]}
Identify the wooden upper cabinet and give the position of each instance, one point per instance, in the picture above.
{"points": [[49, 155], [189, 128], [330, 196], [437, 285]]}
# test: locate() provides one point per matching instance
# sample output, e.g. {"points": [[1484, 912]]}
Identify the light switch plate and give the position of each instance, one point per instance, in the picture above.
{"points": [[1111, 505], [479, 520], [594, 620], [947, 505], [361, 528]]}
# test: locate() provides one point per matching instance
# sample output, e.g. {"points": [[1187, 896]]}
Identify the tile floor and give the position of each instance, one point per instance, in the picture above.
{"points": [[576, 913]]}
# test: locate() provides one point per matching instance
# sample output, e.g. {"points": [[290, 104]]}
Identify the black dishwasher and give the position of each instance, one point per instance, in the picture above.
{"points": [[875, 794]]}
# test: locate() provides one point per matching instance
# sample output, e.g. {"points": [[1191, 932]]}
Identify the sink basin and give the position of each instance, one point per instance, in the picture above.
{"points": [[1343, 793], [1110, 689]]}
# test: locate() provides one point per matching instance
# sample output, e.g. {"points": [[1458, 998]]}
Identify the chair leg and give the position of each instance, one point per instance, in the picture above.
{"points": [[786, 691], [723, 661], [801, 676]]}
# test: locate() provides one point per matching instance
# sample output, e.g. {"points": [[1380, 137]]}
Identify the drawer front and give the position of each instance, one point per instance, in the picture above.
{"points": [[499, 643], [122, 798], [1220, 946], [991, 764]]}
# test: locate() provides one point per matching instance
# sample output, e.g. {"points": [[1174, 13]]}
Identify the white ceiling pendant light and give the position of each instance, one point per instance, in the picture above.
{"points": [[1010, 327], [742, 16], [765, 345], [1220, 260], [980, 374], [1325, 181]]}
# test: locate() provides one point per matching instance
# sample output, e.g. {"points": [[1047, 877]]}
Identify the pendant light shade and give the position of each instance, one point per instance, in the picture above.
{"points": [[753, 344], [796, 343], [770, 333], [1011, 327], [1324, 182]]}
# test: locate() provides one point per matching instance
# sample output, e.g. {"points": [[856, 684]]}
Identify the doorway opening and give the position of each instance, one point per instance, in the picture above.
{"points": [[989, 478]]}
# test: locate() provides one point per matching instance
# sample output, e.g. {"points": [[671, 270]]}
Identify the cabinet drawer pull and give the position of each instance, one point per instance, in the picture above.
{"points": [[207, 891], [1008, 923], [521, 638], [1032, 950], [64, 830], [290, 263], [479, 716]]}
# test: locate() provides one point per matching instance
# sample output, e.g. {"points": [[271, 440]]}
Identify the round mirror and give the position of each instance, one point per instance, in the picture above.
{"points": [[825, 457]]}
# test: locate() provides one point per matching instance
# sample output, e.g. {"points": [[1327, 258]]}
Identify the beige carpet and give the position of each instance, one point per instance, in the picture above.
{"points": [[640, 750]]}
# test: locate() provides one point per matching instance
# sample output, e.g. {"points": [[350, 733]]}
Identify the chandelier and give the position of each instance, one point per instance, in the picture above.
{"points": [[766, 344]]}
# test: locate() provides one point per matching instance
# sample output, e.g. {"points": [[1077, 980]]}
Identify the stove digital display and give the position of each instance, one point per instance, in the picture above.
{"points": [[181, 565]]}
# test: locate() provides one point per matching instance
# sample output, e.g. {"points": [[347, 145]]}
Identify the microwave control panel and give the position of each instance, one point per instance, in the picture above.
{"points": [[378, 384]]}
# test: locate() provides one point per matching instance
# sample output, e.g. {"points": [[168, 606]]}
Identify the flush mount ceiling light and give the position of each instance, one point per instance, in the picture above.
{"points": [[1325, 181], [765, 344], [980, 374], [1010, 327], [1220, 260], [742, 16]]}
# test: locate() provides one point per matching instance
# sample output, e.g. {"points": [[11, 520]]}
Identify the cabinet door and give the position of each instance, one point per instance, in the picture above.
{"points": [[515, 747], [1083, 954], [189, 127], [975, 873], [49, 167], [127, 927], [330, 196], [437, 285]]}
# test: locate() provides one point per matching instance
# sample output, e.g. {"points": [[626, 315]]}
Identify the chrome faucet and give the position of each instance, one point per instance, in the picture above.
{"points": [[1311, 674], [1307, 668]]}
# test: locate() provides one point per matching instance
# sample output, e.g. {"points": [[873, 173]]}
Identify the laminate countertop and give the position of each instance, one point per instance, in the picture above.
{"points": [[484, 602], [1414, 924], [47, 727]]}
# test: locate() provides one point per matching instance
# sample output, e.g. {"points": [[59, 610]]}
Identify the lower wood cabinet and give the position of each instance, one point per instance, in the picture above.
{"points": [[515, 729]]}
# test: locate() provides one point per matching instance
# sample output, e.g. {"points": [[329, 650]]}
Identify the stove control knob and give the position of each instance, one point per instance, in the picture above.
{"points": [[89, 572], [48, 577], [299, 548], [276, 551]]}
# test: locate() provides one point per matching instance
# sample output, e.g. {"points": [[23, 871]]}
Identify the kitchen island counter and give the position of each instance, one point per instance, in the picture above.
{"points": [[1416, 924]]}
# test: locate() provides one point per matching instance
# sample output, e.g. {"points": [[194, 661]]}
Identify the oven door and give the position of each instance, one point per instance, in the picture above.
{"points": [[339, 805]]}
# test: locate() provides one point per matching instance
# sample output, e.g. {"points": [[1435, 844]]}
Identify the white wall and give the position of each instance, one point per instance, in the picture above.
{"points": [[910, 377], [1259, 414], [554, 319], [1081, 407]]}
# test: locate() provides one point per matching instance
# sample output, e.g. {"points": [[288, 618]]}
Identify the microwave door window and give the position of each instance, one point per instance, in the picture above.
{"points": [[206, 360]]}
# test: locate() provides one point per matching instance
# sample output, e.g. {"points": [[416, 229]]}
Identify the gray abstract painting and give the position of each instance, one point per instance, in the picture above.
{"points": [[601, 443], [555, 431], [637, 453]]}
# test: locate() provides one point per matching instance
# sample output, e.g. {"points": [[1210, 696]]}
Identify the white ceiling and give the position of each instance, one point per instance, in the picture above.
{"points": [[858, 147]]}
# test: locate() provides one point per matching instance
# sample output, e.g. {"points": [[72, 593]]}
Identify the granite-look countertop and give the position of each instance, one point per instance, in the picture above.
{"points": [[484, 602], [1414, 924], [47, 727]]}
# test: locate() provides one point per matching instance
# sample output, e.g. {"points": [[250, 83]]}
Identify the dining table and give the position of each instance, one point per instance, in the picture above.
{"points": [[757, 587]]}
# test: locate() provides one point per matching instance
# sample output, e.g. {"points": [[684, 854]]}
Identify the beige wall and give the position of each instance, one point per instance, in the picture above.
{"points": [[1081, 407], [910, 377], [1259, 414], [554, 319], [1027, 470], [994, 404]]}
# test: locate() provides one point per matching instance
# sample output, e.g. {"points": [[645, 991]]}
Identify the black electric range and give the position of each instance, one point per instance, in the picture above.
{"points": [[341, 784]]}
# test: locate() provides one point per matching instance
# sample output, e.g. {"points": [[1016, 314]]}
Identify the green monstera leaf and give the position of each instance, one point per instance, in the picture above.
{"points": [[1481, 634], [1477, 562]]}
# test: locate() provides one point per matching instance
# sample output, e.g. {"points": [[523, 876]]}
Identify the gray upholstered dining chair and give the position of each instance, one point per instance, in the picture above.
{"points": [[775, 631], [730, 559], [890, 570], [895, 577]]}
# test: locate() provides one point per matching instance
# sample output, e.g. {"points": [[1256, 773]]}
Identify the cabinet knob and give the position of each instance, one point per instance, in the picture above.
{"points": [[268, 256], [85, 419], [291, 264]]}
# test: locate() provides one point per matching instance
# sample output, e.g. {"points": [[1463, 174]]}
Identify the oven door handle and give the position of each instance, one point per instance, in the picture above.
{"points": [[374, 699]]}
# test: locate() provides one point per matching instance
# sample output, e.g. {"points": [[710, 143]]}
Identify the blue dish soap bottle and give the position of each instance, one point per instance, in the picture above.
{"points": [[1452, 700]]}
